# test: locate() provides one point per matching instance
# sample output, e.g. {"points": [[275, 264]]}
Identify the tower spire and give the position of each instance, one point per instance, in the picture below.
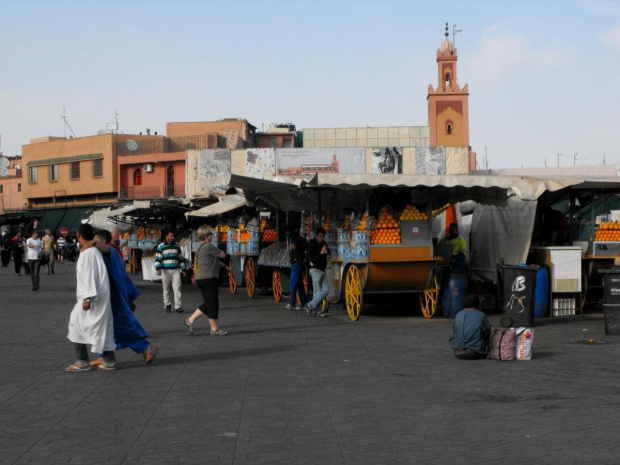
{"points": [[447, 34]]}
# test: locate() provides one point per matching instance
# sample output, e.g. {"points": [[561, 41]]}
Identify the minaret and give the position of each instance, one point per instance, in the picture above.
{"points": [[448, 108]]}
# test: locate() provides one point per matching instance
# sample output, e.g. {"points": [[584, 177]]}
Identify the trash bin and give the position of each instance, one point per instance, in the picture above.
{"points": [[518, 291], [454, 291], [611, 300]]}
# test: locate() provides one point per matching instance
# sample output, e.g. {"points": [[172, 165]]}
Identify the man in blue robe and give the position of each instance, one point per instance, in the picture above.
{"points": [[128, 332]]}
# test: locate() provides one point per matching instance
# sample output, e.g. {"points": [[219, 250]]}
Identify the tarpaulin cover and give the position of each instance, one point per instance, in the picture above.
{"points": [[499, 235]]}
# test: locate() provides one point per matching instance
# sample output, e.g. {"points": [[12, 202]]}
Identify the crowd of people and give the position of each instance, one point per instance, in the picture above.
{"points": [[103, 316]]}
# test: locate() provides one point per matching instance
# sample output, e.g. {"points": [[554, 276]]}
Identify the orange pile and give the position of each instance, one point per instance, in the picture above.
{"points": [[269, 235], [609, 231], [386, 221], [385, 236], [242, 236], [412, 213]]}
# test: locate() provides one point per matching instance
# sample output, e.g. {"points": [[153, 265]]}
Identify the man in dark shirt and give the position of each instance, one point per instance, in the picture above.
{"points": [[297, 254], [318, 251]]}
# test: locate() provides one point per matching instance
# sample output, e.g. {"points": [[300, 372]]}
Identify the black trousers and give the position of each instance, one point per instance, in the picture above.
{"points": [[211, 302]]}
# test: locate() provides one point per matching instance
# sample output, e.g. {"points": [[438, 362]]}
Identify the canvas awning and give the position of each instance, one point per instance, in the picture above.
{"points": [[50, 220], [136, 205], [72, 219], [225, 204]]}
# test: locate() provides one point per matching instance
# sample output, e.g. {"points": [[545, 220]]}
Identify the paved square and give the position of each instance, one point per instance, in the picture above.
{"points": [[284, 388]]}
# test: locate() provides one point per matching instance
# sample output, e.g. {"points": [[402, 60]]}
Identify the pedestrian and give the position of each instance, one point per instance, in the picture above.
{"points": [[471, 328], [170, 264], [25, 263], [18, 251], [128, 332], [70, 251], [317, 254], [208, 280], [297, 255], [459, 248], [61, 247], [91, 320], [49, 245], [5, 249], [35, 246]]}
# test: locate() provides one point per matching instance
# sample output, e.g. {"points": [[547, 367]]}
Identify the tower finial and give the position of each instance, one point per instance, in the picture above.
{"points": [[446, 34]]}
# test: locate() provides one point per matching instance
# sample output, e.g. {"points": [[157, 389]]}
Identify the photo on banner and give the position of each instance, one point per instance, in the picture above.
{"points": [[430, 160], [308, 162], [386, 160], [260, 163], [214, 162]]}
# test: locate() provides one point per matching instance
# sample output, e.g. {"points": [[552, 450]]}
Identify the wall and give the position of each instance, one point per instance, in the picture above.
{"points": [[12, 197], [45, 151], [153, 184], [392, 136]]}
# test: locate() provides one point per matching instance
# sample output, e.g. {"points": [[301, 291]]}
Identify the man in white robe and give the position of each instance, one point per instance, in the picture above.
{"points": [[91, 320]]}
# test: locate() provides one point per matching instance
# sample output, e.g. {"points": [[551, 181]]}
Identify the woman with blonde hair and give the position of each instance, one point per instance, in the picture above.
{"points": [[207, 280]]}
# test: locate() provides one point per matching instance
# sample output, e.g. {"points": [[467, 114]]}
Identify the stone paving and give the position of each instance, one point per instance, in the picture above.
{"points": [[284, 388]]}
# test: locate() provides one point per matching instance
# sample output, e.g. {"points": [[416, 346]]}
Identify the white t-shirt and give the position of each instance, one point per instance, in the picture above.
{"points": [[33, 252]]}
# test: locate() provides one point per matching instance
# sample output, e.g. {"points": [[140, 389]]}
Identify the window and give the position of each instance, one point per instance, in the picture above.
{"points": [[273, 143], [1, 188], [19, 187], [75, 170], [449, 127], [53, 173], [137, 177], [287, 142], [33, 174], [97, 168]]}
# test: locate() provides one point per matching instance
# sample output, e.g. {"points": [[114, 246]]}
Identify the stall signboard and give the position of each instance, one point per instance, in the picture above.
{"points": [[260, 163], [430, 160], [308, 162], [387, 160]]}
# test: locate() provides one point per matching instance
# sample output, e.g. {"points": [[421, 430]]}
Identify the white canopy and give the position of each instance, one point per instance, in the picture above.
{"points": [[226, 203]]}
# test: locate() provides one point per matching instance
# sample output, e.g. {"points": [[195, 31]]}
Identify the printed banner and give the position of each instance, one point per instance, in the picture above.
{"points": [[387, 160], [214, 162], [260, 163], [430, 160], [308, 162]]}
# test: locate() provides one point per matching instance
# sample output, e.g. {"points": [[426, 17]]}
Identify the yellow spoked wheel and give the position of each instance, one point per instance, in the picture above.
{"points": [[276, 285], [304, 280], [324, 306], [250, 276], [353, 292], [231, 277], [428, 299]]}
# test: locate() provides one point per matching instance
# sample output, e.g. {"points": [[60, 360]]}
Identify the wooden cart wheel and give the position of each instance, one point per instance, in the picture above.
{"points": [[276, 285], [231, 277], [250, 276], [324, 306], [353, 292], [428, 299], [304, 280]]}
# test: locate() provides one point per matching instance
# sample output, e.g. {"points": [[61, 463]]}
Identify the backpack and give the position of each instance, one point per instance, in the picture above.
{"points": [[502, 344]]}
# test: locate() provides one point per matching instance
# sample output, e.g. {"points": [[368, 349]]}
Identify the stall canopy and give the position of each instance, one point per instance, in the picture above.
{"points": [[58, 218], [493, 190], [225, 204]]}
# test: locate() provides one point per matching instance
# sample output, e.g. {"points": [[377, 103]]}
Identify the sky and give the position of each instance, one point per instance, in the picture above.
{"points": [[542, 75]]}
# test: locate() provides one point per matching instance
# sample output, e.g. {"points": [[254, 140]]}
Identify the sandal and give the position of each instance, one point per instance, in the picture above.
{"points": [[96, 362], [106, 366], [149, 354], [190, 326], [80, 365], [218, 332]]}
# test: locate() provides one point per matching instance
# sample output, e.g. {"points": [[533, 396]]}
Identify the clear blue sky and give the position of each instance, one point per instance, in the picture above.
{"points": [[542, 75]]}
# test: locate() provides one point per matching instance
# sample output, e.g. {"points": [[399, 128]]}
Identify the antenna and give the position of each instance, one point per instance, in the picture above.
{"points": [[561, 155], [575, 159], [132, 145], [64, 118], [455, 31]]}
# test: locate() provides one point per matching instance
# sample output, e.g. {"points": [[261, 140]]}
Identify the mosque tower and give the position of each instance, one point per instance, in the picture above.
{"points": [[448, 108]]}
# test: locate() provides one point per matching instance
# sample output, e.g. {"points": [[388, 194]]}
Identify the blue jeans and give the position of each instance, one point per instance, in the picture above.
{"points": [[34, 265], [296, 285], [320, 288]]}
